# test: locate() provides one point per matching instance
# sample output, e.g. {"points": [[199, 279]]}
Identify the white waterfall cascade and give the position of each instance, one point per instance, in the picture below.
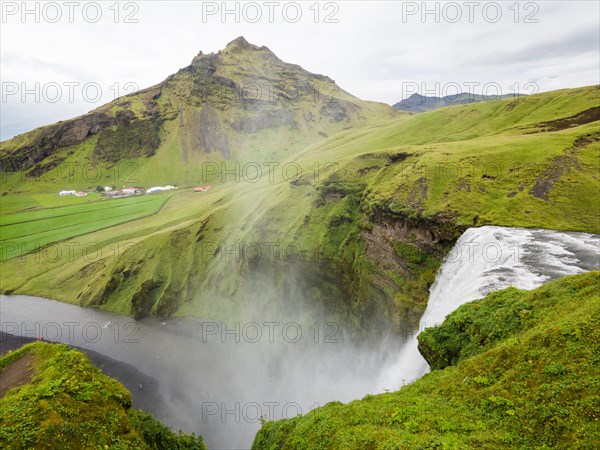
{"points": [[489, 259]]}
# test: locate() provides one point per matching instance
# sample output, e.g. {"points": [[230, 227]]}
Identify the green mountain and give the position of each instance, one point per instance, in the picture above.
{"points": [[242, 103], [351, 227], [56, 398], [519, 371]]}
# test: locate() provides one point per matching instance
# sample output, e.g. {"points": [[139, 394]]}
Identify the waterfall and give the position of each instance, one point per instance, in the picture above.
{"points": [[489, 259], [185, 370]]}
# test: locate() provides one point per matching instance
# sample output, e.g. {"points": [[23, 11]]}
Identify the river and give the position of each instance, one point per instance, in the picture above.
{"points": [[218, 378]]}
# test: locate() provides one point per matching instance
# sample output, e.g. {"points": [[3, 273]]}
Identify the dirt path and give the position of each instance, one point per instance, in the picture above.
{"points": [[16, 374]]}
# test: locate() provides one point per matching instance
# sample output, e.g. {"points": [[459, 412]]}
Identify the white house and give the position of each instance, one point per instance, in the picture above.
{"points": [[65, 193], [107, 189], [159, 189]]}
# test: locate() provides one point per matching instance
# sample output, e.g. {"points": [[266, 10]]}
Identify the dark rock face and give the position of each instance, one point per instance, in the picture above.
{"points": [[264, 120], [212, 138], [130, 139], [387, 230], [587, 116], [412, 248], [338, 110], [141, 302], [71, 133], [52, 138]]}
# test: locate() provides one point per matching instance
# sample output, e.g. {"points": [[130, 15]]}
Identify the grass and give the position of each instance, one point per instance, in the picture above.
{"points": [[433, 175], [23, 202], [22, 233], [520, 372], [70, 404]]}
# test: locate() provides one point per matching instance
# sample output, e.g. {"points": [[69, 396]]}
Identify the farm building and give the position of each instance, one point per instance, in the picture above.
{"points": [[202, 188], [133, 190], [65, 193], [126, 192], [159, 189]]}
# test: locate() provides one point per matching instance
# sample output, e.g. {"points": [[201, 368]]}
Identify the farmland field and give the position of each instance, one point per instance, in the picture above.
{"points": [[24, 232], [27, 202]]}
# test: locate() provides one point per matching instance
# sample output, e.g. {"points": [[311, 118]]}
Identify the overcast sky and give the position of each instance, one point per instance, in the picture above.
{"points": [[380, 51]]}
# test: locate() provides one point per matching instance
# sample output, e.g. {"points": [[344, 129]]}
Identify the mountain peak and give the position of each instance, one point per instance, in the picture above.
{"points": [[240, 44]]}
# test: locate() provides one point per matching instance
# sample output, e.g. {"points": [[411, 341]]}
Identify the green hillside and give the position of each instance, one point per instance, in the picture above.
{"points": [[240, 104], [521, 370], [355, 225], [60, 400]]}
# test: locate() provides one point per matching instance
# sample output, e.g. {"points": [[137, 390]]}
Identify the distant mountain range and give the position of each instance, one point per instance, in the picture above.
{"points": [[417, 103]]}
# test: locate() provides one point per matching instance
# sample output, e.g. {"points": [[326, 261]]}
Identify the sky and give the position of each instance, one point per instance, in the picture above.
{"points": [[62, 59]]}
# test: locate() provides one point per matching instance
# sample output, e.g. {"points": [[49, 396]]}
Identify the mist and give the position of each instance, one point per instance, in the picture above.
{"points": [[283, 355], [280, 358]]}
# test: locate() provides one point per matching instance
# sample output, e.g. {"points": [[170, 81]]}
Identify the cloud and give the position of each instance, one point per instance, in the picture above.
{"points": [[370, 52], [581, 42]]}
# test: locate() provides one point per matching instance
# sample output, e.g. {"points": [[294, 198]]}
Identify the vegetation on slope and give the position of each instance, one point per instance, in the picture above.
{"points": [[370, 211], [70, 404], [523, 375], [242, 103]]}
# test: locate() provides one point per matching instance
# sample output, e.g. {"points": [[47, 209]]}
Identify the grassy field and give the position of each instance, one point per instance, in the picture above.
{"points": [[25, 202], [24, 232], [531, 162]]}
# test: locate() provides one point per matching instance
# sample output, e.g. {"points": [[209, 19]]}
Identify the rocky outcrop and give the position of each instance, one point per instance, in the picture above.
{"points": [[141, 302], [405, 253], [265, 119], [130, 139], [48, 140], [212, 137]]}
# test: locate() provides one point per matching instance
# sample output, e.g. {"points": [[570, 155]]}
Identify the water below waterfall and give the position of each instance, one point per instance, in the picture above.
{"points": [[193, 376]]}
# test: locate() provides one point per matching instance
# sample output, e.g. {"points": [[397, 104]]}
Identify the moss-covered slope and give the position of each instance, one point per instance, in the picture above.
{"points": [[371, 212], [67, 403], [242, 103], [524, 375]]}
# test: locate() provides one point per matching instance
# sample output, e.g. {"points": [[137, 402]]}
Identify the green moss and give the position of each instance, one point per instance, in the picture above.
{"points": [[70, 404]]}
